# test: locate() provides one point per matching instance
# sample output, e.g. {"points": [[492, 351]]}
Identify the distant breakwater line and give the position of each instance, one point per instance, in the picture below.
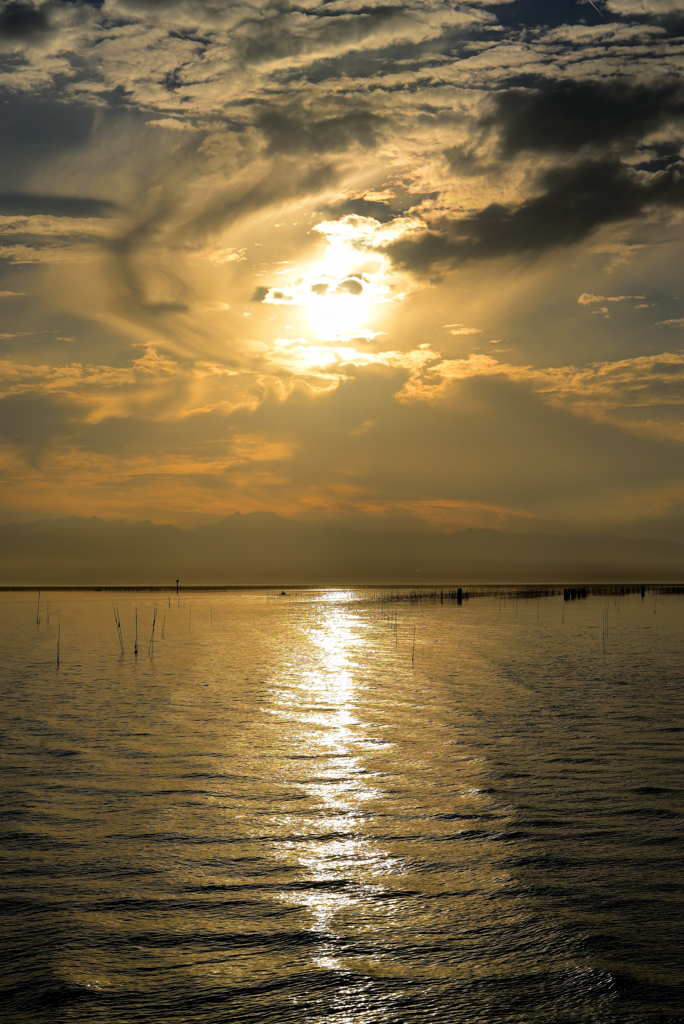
{"points": [[163, 589], [383, 592], [524, 593]]}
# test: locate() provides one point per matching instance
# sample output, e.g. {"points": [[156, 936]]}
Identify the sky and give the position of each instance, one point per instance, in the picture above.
{"points": [[388, 265]]}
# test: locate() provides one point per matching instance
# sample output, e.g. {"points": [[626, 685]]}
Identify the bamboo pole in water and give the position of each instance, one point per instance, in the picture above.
{"points": [[117, 619], [150, 649]]}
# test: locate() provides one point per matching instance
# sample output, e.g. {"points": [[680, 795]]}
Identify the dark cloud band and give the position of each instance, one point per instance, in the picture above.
{"points": [[574, 202]]}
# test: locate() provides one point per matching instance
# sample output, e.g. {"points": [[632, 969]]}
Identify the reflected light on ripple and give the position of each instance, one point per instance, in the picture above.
{"points": [[336, 783], [281, 816]]}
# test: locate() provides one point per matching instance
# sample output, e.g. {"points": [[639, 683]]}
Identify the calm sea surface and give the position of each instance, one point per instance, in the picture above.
{"points": [[279, 816]]}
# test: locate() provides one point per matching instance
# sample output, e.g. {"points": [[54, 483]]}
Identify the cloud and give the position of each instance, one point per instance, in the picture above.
{"points": [[668, 12], [161, 423], [28, 204], [34, 422], [602, 391], [23, 21], [218, 257], [574, 202], [460, 329], [281, 182], [173, 124], [47, 254], [566, 116], [164, 162], [586, 298], [289, 133]]}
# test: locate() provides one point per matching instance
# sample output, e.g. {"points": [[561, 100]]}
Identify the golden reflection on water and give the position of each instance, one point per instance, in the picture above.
{"points": [[325, 702], [280, 808]]}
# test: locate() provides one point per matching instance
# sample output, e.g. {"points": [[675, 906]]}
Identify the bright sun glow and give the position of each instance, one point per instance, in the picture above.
{"points": [[341, 293], [337, 313]]}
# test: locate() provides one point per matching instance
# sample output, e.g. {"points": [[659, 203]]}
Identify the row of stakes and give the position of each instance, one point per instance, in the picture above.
{"points": [[117, 620], [394, 618], [47, 621]]}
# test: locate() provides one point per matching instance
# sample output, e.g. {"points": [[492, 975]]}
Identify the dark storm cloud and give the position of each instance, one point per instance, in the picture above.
{"points": [[567, 116], [23, 21], [574, 201], [289, 133], [28, 204]]}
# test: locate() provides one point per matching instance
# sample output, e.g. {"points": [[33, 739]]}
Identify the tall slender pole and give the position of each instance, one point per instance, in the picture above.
{"points": [[150, 649], [59, 636], [135, 649], [117, 619], [38, 611]]}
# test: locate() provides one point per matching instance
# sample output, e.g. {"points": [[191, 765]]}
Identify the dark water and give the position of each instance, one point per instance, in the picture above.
{"points": [[278, 817]]}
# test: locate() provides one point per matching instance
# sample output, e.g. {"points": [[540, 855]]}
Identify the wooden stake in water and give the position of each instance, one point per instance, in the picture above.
{"points": [[59, 637], [413, 652], [150, 649], [38, 611], [117, 619], [135, 649]]}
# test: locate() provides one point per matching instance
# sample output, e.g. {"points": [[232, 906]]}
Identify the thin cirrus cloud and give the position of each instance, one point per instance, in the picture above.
{"points": [[276, 237], [587, 299]]}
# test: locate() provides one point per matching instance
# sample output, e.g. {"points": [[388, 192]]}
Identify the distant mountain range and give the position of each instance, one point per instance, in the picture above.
{"points": [[264, 548]]}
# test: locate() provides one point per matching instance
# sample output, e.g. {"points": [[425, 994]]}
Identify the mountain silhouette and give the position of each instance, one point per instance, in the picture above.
{"points": [[262, 548]]}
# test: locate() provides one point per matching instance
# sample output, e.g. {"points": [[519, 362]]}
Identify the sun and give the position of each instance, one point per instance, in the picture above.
{"points": [[343, 294], [338, 308]]}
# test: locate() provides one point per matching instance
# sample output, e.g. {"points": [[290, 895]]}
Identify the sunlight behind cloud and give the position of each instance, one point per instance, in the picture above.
{"points": [[345, 232], [341, 293]]}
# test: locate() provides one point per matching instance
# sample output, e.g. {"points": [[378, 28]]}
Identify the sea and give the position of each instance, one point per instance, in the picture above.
{"points": [[350, 806]]}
